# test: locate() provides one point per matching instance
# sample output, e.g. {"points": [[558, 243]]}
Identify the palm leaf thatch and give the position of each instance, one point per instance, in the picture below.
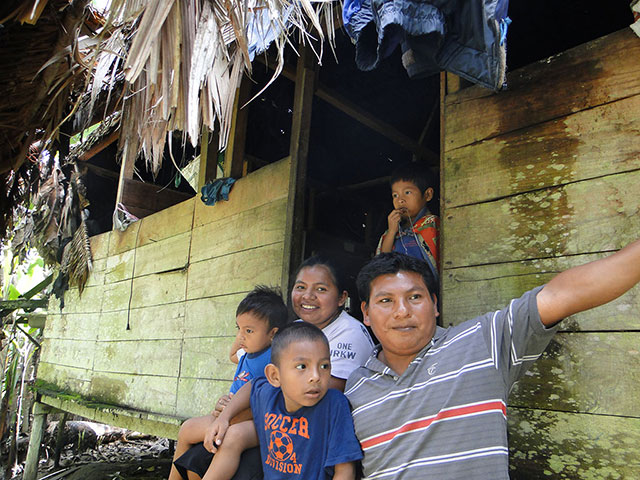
{"points": [[186, 58]]}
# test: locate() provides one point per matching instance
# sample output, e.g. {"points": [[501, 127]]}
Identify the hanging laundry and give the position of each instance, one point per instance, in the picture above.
{"points": [[465, 37], [217, 190]]}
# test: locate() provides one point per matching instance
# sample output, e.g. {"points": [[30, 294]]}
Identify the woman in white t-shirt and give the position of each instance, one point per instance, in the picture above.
{"points": [[318, 297]]}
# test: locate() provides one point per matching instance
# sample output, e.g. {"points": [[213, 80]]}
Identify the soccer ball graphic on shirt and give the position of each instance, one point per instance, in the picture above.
{"points": [[280, 445]]}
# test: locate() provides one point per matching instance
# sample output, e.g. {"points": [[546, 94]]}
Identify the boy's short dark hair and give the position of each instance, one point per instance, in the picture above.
{"points": [[420, 175], [390, 264], [265, 302], [295, 332]]}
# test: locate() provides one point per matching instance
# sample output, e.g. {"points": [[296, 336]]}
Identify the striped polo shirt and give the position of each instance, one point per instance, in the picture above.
{"points": [[445, 416]]}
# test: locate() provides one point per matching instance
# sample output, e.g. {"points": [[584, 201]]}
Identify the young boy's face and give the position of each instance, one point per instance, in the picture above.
{"points": [[408, 198], [303, 373], [253, 332]]}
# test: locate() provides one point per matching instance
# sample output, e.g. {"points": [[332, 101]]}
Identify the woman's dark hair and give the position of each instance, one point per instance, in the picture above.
{"points": [[265, 302], [295, 332], [334, 270], [390, 264]]}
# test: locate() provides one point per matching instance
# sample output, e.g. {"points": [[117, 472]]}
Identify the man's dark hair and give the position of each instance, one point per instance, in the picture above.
{"points": [[416, 173], [324, 261], [390, 264], [266, 303], [295, 332]]}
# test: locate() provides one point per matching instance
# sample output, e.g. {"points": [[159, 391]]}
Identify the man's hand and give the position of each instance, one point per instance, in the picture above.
{"points": [[223, 401], [215, 434]]}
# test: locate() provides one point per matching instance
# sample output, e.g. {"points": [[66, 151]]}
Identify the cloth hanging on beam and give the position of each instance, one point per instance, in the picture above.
{"points": [[217, 190]]}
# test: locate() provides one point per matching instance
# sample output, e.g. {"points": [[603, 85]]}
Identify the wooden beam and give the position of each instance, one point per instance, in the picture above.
{"points": [[126, 173], [300, 133], [96, 149], [234, 154], [367, 119], [208, 157], [40, 412]]}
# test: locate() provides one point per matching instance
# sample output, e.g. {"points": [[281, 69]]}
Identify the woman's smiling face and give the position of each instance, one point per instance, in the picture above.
{"points": [[315, 296]]}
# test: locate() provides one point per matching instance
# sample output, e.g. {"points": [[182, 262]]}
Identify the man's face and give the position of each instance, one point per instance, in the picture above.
{"points": [[402, 314]]}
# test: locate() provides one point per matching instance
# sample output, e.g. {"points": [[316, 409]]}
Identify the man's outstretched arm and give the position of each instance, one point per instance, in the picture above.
{"points": [[590, 285]]}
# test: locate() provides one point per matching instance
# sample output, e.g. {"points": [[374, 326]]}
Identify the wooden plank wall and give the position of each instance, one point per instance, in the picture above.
{"points": [[154, 325], [536, 179]]}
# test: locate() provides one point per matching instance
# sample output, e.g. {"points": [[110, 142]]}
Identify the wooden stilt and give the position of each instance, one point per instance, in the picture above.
{"points": [[40, 412], [60, 439]]}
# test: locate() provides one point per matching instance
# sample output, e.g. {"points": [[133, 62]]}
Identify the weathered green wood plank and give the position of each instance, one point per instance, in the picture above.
{"points": [[100, 245], [70, 353], [212, 316], [116, 296], [159, 425], [585, 373], [140, 357], [119, 267], [198, 396], [592, 74], [588, 144], [237, 272], [590, 216], [76, 326], [168, 254], [73, 379], [89, 302], [97, 274], [471, 291], [149, 323], [143, 392], [262, 186], [167, 223], [262, 225], [122, 241], [557, 445], [159, 289], [207, 358]]}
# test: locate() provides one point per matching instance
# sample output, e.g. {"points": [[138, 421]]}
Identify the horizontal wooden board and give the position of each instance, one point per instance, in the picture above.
{"points": [[167, 223], [123, 241], [149, 323], [237, 272], [96, 275], [207, 358], [76, 326], [212, 316], [90, 301], [197, 396], [586, 76], [596, 373], [100, 245], [119, 267], [159, 289], [116, 296], [262, 186], [588, 144], [471, 291], [168, 254], [68, 353], [259, 226], [142, 392], [139, 357], [72, 379], [558, 445], [589, 216]]}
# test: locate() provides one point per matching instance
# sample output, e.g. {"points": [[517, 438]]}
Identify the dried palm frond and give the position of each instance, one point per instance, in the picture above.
{"points": [[76, 259]]}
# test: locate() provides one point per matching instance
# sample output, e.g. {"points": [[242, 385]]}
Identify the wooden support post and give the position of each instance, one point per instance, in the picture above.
{"points": [[40, 412], [60, 440], [300, 133], [208, 157], [234, 154], [126, 173]]}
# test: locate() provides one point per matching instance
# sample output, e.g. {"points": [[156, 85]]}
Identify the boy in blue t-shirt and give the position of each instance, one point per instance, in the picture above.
{"points": [[304, 428], [258, 317]]}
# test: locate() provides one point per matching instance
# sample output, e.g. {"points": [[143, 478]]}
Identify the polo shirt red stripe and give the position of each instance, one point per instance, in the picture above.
{"points": [[456, 412]]}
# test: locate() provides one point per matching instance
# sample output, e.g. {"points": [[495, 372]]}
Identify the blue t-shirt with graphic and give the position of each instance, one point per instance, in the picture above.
{"points": [[306, 444], [250, 366]]}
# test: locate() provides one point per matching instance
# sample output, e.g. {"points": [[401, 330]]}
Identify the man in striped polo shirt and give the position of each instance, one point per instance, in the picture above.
{"points": [[431, 402]]}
